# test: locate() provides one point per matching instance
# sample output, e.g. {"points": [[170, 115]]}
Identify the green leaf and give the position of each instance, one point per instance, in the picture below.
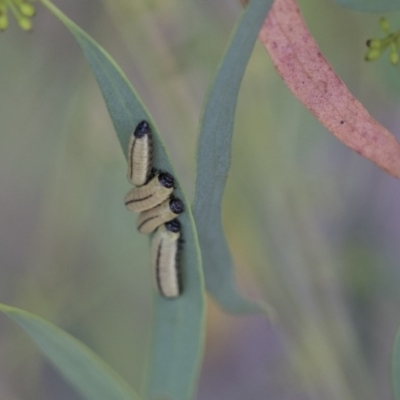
{"points": [[370, 5], [178, 334], [396, 367], [78, 364], [214, 158]]}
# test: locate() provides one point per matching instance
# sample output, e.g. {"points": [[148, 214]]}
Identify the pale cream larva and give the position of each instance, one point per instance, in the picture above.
{"points": [[164, 254], [152, 194], [151, 219], [140, 154]]}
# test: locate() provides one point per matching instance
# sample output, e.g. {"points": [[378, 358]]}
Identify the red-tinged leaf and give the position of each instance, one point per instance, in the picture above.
{"points": [[309, 76]]}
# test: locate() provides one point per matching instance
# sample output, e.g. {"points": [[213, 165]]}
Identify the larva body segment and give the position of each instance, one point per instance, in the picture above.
{"points": [[140, 155], [152, 194], [151, 219], [164, 255]]}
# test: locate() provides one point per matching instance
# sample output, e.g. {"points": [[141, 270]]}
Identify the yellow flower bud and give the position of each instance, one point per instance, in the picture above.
{"points": [[384, 24], [373, 54], [25, 24], [374, 43], [27, 9], [394, 57], [3, 22]]}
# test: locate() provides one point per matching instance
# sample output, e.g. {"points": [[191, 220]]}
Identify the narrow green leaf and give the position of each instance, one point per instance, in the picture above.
{"points": [[396, 367], [214, 158], [94, 379], [370, 5], [178, 334]]}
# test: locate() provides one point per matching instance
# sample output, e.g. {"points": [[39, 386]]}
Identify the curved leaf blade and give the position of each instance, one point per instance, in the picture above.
{"points": [[214, 158], [370, 5], [178, 334], [300, 63], [94, 379]]}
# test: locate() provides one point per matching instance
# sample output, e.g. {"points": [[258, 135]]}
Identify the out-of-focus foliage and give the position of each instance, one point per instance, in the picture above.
{"points": [[313, 227], [377, 46], [371, 5], [82, 368], [22, 10], [396, 367]]}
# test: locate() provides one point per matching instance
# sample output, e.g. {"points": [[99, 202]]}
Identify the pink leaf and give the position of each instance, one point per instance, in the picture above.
{"points": [[308, 75]]}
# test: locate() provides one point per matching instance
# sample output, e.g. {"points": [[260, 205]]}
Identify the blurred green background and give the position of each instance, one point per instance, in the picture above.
{"points": [[314, 227]]}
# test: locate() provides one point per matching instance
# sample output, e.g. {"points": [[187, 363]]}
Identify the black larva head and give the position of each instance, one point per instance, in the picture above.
{"points": [[142, 129], [166, 180], [176, 206], [173, 226]]}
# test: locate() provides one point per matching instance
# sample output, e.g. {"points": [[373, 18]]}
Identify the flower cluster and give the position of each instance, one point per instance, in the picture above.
{"points": [[23, 11], [377, 46]]}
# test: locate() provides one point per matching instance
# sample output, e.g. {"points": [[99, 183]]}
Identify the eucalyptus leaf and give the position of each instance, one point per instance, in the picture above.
{"points": [[78, 364], [178, 331], [370, 5], [214, 159]]}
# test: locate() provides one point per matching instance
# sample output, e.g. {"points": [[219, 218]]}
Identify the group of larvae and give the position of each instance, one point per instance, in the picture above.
{"points": [[153, 198]]}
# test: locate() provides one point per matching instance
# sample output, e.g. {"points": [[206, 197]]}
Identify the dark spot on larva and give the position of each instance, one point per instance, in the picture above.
{"points": [[319, 54], [341, 122], [142, 129], [176, 206], [166, 180], [173, 226], [274, 45]]}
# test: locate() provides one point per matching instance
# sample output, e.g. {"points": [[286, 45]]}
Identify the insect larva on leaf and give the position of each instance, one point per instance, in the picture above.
{"points": [[164, 254], [152, 194], [140, 154], [151, 219]]}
